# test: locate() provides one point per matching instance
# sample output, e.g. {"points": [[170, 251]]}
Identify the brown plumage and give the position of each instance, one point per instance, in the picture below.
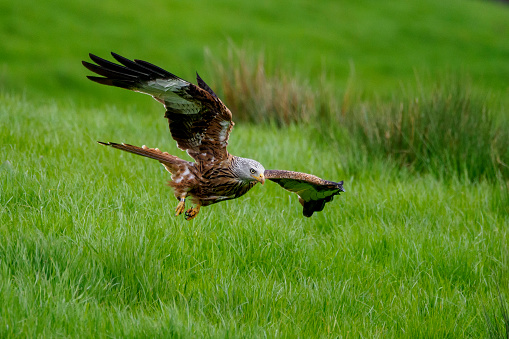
{"points": [[201, 124]]}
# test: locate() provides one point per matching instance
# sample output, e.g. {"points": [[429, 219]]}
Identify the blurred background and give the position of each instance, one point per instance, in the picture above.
{"points": [[377, 45], [423, 83]]}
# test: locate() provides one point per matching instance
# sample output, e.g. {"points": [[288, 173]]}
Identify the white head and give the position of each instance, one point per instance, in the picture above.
{"points": [[248, 170]]}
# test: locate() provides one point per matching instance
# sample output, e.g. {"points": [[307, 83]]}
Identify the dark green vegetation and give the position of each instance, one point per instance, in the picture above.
{"points": [[416, 247]]}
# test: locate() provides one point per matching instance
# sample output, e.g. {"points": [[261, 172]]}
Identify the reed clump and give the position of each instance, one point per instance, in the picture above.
{"points": [[444, 128]]}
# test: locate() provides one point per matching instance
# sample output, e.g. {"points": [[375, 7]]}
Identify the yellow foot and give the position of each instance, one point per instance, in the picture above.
{"points": [[192, 212], [180, 207]]}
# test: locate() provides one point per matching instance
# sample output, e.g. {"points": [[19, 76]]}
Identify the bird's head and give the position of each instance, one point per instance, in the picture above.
{"points": [[249, 170]]}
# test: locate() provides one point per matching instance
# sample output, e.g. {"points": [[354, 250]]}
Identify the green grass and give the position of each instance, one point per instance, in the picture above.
{"points": [[90, 247], [377, 44], [354, 91], [443, 127]]}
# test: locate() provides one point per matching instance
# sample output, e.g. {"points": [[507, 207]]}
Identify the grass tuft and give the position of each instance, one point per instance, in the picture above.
{"points": [[256, 96], [449, 130]]}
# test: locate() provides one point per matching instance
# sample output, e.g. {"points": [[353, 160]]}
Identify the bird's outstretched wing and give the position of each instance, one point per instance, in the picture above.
{"points": [[198, 120], [313, 191]]}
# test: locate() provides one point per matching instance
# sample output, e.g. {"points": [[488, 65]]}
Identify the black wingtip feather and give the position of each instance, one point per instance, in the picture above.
{"points": [[110, 73], [112, 82], [130, 64], [155, 69], [309, 207], [127, 73], [88, 65], [98, 79], [118, 68], [204, 86]]}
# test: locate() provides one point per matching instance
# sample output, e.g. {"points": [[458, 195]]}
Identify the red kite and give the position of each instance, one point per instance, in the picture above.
{"points": [[201, 125]]}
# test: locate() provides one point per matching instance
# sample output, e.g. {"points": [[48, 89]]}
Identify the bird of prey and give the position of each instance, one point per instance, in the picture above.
{"points": [[201, 124]]}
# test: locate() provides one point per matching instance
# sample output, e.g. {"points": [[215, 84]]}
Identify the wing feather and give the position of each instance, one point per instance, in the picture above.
{"points": [[138, 65], [204, 86], [313, 191], [199, 122]]}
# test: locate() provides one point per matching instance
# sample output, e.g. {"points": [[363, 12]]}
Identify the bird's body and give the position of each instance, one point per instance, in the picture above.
{"points": [[201, 183], [201, 125]]}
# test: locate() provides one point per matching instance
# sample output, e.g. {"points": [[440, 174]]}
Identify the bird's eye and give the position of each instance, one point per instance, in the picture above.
{"points": [[252, 170]]}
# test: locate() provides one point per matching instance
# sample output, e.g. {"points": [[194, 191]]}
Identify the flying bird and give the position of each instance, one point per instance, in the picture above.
{"points": [[201, 124]]}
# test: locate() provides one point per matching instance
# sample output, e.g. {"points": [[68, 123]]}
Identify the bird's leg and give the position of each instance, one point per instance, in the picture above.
{"points": [[181, 206], [193, 212]]}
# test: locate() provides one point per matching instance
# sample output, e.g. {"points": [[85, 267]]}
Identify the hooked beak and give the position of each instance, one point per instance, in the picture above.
{"points": [[260, 178]]}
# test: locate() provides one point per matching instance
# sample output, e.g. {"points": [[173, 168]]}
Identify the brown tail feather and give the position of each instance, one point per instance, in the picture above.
{"points": [[153, 153]]}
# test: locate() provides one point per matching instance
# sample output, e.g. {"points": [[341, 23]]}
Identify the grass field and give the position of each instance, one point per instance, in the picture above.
{"points": [[90, 247], [417, 247], [378, 46]]}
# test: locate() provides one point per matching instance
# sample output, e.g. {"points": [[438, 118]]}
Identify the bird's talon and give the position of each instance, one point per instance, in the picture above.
{"points": [[192, 212], [180, 207]]}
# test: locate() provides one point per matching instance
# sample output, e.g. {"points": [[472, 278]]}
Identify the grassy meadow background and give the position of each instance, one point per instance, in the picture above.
{"points": [[406, 101]]}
